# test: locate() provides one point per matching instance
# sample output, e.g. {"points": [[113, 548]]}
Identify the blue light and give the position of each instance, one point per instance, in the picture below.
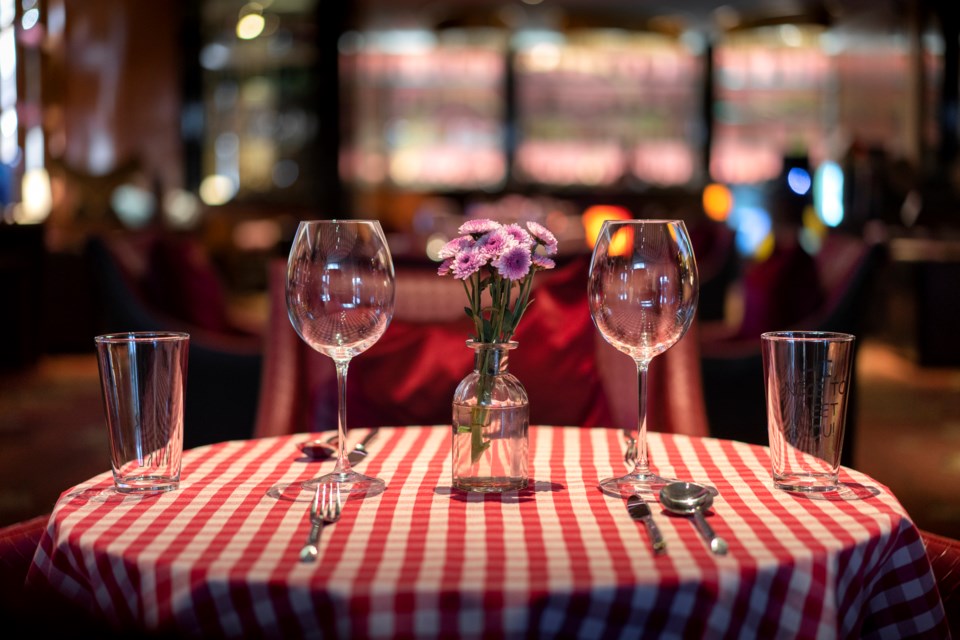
{"points": [[745, 196], [753, 225], [799, 181], [828, 193]]}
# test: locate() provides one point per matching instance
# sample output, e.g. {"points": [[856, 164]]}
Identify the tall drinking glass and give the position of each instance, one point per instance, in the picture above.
{"points": [[340, 296], [642, 291]]}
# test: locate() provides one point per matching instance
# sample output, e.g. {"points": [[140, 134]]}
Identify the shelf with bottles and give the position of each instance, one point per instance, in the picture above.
{"points": [[426, 111], [596, 107]]}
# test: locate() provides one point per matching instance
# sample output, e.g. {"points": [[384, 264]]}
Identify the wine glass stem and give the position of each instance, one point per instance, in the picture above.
{"points": [[640, 464], [343, 464]]}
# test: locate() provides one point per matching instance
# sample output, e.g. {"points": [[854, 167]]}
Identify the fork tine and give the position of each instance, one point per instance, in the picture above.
{"points": [[332, 504], [314, 505]]}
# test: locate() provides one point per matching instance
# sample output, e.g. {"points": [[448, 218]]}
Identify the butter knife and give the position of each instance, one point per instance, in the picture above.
{"points": [[640, 510]]}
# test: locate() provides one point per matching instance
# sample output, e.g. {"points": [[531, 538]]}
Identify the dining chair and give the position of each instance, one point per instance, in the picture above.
{"points": [[944, 555], [224, 364], [732, 367], [18, 543], [30, 611], [409, 376]]}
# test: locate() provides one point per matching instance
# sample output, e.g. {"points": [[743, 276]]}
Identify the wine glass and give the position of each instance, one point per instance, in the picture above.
{"points": [[642, 291], [340, 294]]}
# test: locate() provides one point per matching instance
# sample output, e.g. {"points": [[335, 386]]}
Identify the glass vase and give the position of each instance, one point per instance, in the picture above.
{"points": [[491, 418]]}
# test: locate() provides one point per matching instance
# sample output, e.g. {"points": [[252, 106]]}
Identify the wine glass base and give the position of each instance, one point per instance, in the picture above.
{"points": [[351, 483], [647, 484]]}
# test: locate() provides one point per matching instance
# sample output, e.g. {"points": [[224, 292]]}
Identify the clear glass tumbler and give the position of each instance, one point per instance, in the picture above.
{"points": [[808, 377], [143, 376]]}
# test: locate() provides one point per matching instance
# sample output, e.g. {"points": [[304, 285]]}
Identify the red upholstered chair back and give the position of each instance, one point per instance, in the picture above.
{"points": [[944, 556], [38, 611], [409, 376], [18, 543], [224, 370]]}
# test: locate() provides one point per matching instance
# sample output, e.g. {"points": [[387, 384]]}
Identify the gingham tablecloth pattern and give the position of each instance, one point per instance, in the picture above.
{"points": [[218, 557]]}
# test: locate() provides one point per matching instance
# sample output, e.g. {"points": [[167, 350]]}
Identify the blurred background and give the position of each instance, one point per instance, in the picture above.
{"points": [[156, 157]]}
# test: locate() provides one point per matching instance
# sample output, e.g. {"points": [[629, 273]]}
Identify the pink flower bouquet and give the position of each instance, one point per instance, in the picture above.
{"points": [[499, 260]]}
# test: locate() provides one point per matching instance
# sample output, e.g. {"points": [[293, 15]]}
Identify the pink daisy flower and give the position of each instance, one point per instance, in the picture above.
{"points": [[543, 236], [478, 227], [467, 263], [445, 267], [517, 232], [455, 246], [514, 263], [495, 243], [542, 262]]}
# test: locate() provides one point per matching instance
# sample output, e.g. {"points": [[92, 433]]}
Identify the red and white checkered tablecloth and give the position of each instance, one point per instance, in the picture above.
{"points": [[219, 557]]}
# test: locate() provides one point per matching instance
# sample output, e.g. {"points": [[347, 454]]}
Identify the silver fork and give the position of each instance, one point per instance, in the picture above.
{"points": [[324, 509]]}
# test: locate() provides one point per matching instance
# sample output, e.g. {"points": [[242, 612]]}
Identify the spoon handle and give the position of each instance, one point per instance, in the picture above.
{"points": [[717, 544], [367, 438]]}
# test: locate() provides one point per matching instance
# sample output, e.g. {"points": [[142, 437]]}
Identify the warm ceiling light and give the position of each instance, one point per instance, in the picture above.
{"points": [[250, 26], [594, 217]]}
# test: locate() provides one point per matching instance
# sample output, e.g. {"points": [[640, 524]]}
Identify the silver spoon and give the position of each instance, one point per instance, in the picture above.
{"points": [[690, 499], [325, 449], [319, 449]]}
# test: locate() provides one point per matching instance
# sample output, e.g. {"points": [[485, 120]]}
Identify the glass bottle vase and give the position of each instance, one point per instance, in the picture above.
{"points": [[491, 418]]}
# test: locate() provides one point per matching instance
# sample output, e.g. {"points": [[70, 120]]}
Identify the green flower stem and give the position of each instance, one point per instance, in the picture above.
{"points": [[498, 326], [479, 414]]}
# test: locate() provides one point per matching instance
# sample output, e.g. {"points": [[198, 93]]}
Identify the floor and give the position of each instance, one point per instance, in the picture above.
{"points": [[52, 434]]}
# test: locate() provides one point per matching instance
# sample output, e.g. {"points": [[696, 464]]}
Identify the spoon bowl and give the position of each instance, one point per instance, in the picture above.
{"points": [[690, 499], [319, 449], [684, 498]]}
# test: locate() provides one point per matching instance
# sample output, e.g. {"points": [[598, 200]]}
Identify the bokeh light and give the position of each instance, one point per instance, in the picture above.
{"points": [[828, 193], [133, 204], [257, 235], [812, 232], [181, 208], [37, 197], [594, 217], [799, 181], [435, 242], [752, 226], [250, 26], [216, 190], [717, 202]]}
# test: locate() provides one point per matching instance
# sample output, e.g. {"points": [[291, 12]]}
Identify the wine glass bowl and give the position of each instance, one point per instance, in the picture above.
{"points": [[340, 299], [642, 292], [338, 311]]}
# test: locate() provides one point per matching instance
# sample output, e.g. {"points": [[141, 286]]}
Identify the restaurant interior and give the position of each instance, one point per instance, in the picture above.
{"points": [[156, 158]]}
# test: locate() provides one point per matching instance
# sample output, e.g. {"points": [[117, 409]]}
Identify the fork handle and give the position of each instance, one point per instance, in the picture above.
{"points": [[308, 553], [315, 530]]}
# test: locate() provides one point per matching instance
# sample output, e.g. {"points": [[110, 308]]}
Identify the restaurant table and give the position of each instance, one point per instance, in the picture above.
{"points": [[219, 556]]}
